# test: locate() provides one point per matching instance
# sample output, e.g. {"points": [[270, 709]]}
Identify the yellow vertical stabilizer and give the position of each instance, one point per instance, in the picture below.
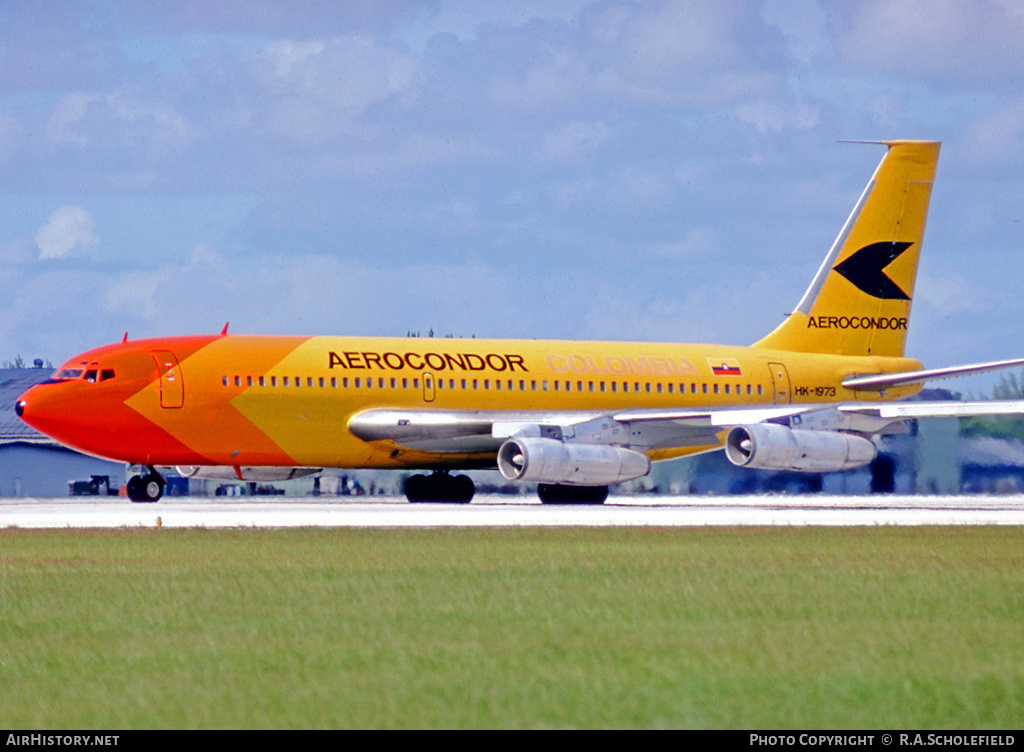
{"points": [[859, 301]]}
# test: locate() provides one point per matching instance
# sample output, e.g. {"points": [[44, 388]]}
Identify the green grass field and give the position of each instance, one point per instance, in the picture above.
{"points": [[728, 628]]}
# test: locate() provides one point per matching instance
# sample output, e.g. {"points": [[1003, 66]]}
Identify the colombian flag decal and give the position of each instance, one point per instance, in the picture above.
{"points": [[725, 367]]}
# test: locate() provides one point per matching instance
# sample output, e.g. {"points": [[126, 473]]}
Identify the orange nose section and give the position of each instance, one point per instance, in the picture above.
{"points": [[94, 419]]}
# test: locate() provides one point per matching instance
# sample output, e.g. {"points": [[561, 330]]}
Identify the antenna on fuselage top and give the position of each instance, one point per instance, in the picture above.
{"points": [[125, 338], [224, 331]]}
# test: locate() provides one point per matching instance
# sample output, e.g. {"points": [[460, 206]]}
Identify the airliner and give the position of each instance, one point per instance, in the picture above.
{"points": [[814, 395]]}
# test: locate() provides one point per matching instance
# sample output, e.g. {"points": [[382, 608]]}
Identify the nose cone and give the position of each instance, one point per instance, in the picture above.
{"points": [[69, 412], [32, 406]]}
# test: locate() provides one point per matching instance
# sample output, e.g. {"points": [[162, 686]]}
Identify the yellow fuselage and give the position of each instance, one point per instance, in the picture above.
{"points": [[286, 401]]}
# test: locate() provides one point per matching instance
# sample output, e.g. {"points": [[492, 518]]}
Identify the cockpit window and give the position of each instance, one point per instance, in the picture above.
{"points": [[92, 375]]}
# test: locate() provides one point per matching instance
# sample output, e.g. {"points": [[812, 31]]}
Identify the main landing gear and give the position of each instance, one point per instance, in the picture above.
{"points": [[440, 487], [148, 487], [459, 489], [556, 493]]}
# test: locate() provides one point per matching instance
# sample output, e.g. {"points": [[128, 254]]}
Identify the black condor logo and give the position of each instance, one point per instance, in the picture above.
{"points": [[865, 269]]}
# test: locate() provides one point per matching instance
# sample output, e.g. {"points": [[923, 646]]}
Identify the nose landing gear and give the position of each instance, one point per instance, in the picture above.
{"points": [[146, 488]]}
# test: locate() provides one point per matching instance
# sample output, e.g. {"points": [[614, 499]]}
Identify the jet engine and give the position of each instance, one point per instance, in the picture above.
{"points": [[552, 461], [769, 446]]}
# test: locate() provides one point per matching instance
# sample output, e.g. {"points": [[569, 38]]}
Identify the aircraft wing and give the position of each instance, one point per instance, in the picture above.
{"points": [[455, 432], [458, 431]]}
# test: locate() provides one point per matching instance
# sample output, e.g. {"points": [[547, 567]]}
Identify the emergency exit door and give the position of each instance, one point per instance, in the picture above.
{"points": [[780, 383]]}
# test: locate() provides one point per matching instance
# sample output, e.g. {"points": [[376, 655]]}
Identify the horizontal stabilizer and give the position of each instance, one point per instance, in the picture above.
{"points": [[882, 381]]}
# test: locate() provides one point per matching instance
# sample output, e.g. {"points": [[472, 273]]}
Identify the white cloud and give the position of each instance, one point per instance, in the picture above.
{"points": [[70, 111], [120, 122], [772, 116], [560, 77], [313, 90], [9, 132], [804, 24], [956, 40], [70, 231], [997, 138], [574, 140], [701, 242], [952, 293]]}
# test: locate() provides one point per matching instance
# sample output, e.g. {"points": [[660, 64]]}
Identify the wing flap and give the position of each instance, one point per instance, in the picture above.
{"points": [[939, 409]]}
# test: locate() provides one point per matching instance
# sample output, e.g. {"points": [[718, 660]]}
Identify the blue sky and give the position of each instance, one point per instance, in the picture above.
{"points": [[612, 170]]}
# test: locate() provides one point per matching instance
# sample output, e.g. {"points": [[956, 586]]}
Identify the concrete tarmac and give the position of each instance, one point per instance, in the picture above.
{"points": [[509, 511]]}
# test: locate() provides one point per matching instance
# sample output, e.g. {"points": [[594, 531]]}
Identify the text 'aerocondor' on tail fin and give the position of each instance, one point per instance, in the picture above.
{"points": [[859, 301]]}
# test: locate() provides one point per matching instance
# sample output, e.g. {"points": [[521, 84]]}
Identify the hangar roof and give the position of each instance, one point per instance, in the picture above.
{"points": [[13, 383], [988, 451]]}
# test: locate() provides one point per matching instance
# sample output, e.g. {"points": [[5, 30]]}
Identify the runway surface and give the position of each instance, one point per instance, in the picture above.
{"points": [[508, 511]]}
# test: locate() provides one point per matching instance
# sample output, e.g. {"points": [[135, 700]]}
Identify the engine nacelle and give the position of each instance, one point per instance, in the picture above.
{"points": [[553, 461], [773, 447], [261, 474]]}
